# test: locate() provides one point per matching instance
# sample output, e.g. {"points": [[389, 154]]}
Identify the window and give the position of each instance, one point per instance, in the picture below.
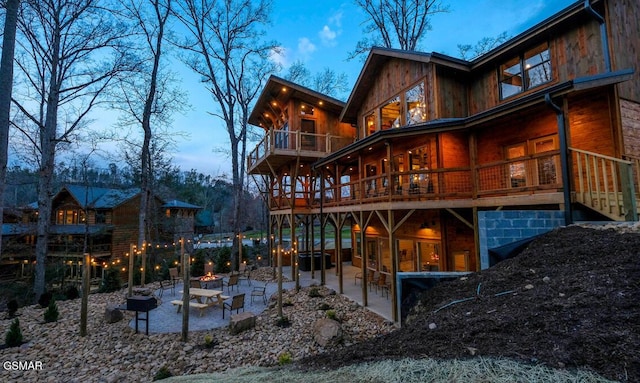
{"points": [[370, 123], [418, 164], [415, 105], [69, 217], [517, 169], [539, 170], [391, 114], [524, 72], [306, 109]]}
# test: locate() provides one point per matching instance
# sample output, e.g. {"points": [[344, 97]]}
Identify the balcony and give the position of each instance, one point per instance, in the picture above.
{"points": [[537, 174], [281, 146]]}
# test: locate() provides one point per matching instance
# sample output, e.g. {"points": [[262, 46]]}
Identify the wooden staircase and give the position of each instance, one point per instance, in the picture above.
{"points": [[606, 184]]}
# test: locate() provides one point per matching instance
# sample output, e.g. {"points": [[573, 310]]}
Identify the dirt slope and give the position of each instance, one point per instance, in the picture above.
{"points": [[570, 300]]}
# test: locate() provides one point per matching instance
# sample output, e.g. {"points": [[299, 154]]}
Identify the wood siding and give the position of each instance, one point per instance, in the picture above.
{"points": [[397, 75], [451, 94], [624, 29], [495, 136], [590, 123]]}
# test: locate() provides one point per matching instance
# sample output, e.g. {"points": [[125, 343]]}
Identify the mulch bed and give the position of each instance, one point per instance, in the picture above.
{"points": [[571, 299]]}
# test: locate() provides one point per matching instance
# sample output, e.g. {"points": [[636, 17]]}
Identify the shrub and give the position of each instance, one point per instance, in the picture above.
{"points": [[14, 335], [283, 321], [324, 306], [314, 293], [285, 358], [331, 314], [287, 303], [45, 298], [72, 292], [51, 314], [209, 342], [221, 259], [111, 281], [12, 307], [163, 373]]}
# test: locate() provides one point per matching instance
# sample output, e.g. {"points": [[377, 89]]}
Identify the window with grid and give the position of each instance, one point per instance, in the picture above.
{"points": [[529, 70]]}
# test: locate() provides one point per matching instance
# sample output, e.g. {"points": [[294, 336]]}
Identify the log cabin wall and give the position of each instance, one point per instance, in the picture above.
{"points": [[590, 123], [454, 149], [451, 95], [395, 76], [578, 52], [125, 229], [575, 52], [493, 137], [624, 43]]}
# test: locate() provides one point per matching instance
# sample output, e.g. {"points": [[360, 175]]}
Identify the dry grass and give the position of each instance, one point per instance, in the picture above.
{"points": [[406, 371]]}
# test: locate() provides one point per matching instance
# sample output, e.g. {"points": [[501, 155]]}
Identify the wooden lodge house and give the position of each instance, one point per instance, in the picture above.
{"points": [[107, 217], [433, 160]]}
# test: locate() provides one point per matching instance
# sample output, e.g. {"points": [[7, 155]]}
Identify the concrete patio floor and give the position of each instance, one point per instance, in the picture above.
{"points": [[166, 319]]}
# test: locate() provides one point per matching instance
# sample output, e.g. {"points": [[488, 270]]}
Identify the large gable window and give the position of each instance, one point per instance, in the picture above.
{"points": [[531, 69], [415, 105]]}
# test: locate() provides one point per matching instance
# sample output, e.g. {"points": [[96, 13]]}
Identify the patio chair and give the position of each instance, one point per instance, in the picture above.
{"points": [[260, 292], [245, 275], [231, 282], [174, 275], [237, 303], [167, 285], [372, 277], [382, 284]]}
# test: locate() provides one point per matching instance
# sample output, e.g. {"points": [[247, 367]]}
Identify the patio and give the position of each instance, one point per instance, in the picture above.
{"points": [[165, 319]]}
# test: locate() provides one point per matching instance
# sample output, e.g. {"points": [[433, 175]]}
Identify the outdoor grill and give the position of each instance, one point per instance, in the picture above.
{"points": [[141, 303]]}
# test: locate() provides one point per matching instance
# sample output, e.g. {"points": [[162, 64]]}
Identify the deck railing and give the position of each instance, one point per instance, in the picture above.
{"points": [[294, 143], [530, 174], [605, 184]]}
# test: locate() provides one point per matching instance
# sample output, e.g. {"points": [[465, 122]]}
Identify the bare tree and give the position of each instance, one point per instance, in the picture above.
{"points": [[396, 23], [484, 45], [226, 50], [70, 51], [327, 81], [149, 98], [6, 87]]}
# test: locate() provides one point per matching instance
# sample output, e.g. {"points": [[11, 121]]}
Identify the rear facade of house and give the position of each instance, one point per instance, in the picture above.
{"points": [[448, 159]]}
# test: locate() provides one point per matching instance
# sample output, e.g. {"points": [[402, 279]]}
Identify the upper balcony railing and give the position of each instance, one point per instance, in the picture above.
{"points": [[527, 174], [285, 142]]}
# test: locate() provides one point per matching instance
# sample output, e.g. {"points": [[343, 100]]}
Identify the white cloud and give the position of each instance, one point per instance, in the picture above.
{"points": [[305, 47], [327, 36], [336, 19], [280, 56]]}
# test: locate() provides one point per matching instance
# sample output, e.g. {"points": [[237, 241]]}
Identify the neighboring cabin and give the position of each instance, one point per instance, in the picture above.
{"points": [[450, 158], [108, 218]]}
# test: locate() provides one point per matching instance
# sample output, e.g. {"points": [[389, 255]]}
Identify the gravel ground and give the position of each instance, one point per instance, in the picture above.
{"points": [[115, 353]]}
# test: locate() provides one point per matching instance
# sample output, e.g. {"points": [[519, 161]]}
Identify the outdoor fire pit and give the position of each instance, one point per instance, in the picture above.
{"points": [[211, 281]]}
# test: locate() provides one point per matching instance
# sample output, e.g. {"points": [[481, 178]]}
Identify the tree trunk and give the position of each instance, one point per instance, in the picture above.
{"points": [[6, 86], [47, 163]]}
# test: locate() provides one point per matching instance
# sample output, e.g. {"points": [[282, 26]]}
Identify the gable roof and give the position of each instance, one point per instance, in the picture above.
{"points": [[99, 198], [175, 204], [378, 56], [376, 59], [280, 91]]}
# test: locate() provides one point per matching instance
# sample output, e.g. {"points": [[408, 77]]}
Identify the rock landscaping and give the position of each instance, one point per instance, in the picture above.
{"points": [[113, 352]]}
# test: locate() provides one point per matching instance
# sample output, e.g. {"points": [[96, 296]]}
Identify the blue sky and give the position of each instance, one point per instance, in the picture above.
{"points": [[322, 33]]}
